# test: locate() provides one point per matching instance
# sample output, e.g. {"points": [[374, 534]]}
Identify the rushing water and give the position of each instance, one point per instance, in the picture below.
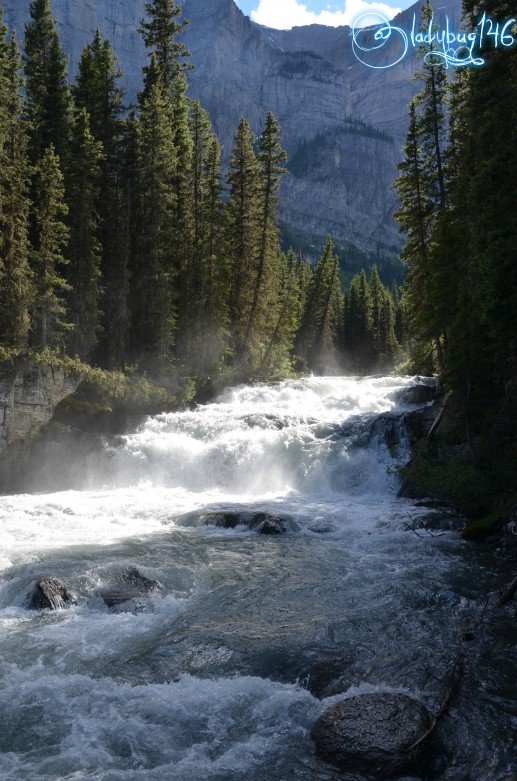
{"points": [[222, 673]]}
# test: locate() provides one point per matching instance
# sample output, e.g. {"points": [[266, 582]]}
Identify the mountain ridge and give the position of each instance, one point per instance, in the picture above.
{"points": [[346, 121]]}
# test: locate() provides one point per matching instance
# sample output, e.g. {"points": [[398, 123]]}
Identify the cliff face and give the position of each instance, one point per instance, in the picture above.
{"points": [[29, 394], [342, 171]]}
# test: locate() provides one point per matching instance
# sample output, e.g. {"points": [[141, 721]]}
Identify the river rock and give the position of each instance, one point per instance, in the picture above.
{"points": [[418, 394], [372, 734], [131, 586], [50, 594], [262, 523]]}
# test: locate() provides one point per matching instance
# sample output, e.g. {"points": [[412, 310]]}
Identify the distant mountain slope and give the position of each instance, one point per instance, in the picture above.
{"points": [[343, 124]]}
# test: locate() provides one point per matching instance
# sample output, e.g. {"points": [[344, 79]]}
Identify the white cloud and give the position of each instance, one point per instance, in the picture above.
{"points": [[284, 14]]}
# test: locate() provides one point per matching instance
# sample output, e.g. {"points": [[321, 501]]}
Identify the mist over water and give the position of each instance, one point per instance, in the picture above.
{"points": [[223, 671]]}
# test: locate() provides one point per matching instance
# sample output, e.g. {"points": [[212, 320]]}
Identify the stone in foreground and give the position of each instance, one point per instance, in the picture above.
{"points": [[372, 734], [50, 594], [133, 586]]}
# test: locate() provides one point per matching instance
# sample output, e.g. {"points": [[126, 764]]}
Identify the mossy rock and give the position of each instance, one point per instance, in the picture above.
{"points": [[481, 527], [73, 404]]}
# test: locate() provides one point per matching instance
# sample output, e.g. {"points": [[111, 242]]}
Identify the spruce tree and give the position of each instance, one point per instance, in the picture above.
{"points": [[155, 205], [358, 340], [50, 238], [48, 94], [183, 221], [277, 357], [160, 32], [84, 248], [318, 337], [377, 293], [431, 116], [207, 330], [271, 158], [15, 277], [97, 91], [243, 231], [328, 310]]}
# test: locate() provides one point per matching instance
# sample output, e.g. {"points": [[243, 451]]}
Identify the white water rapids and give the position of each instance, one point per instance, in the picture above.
{"points": [[221, 674]]}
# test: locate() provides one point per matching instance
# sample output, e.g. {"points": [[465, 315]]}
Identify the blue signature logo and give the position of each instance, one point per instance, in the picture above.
{"points": [[447, 47]]}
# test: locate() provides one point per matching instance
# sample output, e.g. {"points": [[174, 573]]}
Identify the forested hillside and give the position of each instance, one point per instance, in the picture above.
{"points": [[122, 246], [458, 197]]}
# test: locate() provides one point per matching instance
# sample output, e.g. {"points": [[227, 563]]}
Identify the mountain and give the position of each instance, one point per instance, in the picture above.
{"points": [[343, 124]]}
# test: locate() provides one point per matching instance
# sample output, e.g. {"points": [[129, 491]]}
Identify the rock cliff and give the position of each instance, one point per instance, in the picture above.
{"points": [[343, 124], [29, 394]]}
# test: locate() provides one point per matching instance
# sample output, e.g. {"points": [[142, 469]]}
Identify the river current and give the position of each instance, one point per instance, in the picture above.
{"points": [[220, 674]]}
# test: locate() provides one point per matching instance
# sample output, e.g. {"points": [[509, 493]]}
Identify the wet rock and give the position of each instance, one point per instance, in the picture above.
{"points": [[418, 394], [262, 523], [50, 594], [132, 586], [372, 734], [223, 520]]}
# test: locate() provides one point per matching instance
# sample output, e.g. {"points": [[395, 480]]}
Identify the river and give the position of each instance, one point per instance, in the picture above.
{"points": [[220, 674]]}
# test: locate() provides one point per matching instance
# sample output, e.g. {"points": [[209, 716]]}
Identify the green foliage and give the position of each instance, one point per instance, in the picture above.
{"points": [[51, 235], [317, 340], [97, 91], [48, 94], [160, 32], [119, 246], [458, 213], [242, 230], [15, 275], [153, 263], [84, 249], [264, 263]]}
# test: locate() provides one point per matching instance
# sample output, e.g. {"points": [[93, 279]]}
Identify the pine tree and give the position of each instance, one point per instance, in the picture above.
{"points": [[317, 340], [160, 32], [243, 230], [97, 91], [481, 348], [271, 158], [377, 293], [51, 235], [48, 94], [207, 330], [358, 324], [277, 357], [183, 222], [84, 249], [155, 205], [15, 278], [414, 216], [431, 117], [328, 310]]}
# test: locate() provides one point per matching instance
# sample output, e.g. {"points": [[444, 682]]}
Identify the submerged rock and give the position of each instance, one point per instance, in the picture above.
{"points": [[223, 520], [372, 734], [50, 594], [262, 523], [132, 586]]}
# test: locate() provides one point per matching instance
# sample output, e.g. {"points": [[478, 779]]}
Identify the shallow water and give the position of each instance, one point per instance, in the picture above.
{"points": [[221, 673]]}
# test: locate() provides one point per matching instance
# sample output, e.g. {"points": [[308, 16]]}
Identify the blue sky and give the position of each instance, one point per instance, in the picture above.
{"points": [[284, 14]]}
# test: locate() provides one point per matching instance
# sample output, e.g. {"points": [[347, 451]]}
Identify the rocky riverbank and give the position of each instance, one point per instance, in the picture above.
{"points": [[447, 470]]}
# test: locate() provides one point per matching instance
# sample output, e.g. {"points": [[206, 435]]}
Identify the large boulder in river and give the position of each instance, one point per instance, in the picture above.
{"points": [[261, 522], [131, 586], [418, 394], [50, 594], [372, 734]]}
